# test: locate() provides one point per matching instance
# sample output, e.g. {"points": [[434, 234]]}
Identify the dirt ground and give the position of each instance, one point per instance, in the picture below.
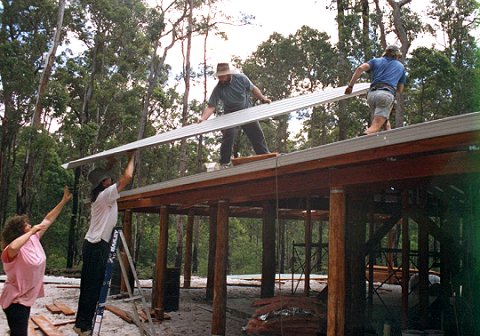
{"points": [[193, 317]]}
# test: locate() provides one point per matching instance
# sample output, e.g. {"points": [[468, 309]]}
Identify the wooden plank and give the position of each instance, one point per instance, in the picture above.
{"points": [[120, 313], [53, 308], [253, 158], [59, 323], [31, 328], [46, 326], [64, 308]]}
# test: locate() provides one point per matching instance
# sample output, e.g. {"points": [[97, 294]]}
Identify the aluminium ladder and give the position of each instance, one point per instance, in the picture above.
{"points": [[113, 253]]}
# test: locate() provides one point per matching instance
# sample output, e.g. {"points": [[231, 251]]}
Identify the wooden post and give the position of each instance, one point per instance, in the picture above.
{"points": [[423, 273], [187, 271], [212, 241], [405, 262], [336, 263], [268, 252], [158, 301], [221, 260], [127, 232], [356, 213], [318, 265], [474, 242], [371, 259], [308, 246]]}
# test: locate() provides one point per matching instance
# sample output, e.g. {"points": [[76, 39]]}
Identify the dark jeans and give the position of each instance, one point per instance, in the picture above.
{"points": [[93, 272], [255, 135], [17, 317]]}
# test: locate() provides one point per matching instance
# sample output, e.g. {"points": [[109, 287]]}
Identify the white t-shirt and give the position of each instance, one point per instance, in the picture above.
{"points": [[104, 215]]}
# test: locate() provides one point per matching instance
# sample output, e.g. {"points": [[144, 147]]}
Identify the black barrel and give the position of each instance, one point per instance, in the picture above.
{"points": [[172, 289]]}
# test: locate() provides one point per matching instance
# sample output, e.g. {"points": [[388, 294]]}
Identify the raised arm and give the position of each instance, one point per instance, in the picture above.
{"points": [[53, 214], [128, 172]]}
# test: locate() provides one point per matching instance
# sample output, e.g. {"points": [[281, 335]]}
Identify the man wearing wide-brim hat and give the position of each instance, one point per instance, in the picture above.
{"points": [[103, 219], [234, 90], [388, 79]]}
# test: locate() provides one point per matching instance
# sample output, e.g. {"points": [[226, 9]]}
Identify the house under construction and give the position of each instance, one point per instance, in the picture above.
{"points": [[426, 175]]}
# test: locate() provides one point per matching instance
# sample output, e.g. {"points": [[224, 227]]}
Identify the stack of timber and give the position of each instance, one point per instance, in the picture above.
{"points": [[288, 316]]}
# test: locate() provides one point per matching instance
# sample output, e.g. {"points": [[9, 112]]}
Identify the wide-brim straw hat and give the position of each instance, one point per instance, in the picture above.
{"points": [[97, 175], [224, 69]]}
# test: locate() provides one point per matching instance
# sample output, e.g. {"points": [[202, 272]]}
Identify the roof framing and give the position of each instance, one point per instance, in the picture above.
{"points": [[419, 152]]}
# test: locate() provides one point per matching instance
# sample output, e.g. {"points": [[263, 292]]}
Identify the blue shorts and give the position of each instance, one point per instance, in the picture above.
{"points": [[380, 103]]}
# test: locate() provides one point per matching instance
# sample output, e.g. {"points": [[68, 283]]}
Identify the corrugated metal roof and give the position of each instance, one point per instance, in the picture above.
{"points": [[437, 128], [241, 117]]}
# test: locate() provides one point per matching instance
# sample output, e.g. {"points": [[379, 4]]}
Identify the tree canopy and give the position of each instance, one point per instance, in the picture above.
{"points": [[114, 80]]}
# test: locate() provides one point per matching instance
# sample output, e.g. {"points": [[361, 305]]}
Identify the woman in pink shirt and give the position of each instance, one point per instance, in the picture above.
{"points": [[24, 262]]}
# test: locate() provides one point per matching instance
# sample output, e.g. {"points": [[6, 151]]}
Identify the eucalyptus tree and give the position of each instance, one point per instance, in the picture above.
{"points": [[102, 83], [431, 75], [271, 68], [317, 71], [406, 25], [32, 158], [25, 33], [458, 21]]}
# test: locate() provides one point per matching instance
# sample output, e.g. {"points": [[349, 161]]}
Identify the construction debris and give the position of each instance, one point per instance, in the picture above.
{"points": [[288, 316], [46, 326]]}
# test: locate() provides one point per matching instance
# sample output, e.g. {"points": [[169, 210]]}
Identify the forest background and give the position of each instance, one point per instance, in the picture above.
{"points": [[59, 103]]}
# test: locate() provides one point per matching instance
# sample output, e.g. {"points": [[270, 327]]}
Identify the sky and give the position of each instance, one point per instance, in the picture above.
{"points": [[271, 16], [284, 17]]}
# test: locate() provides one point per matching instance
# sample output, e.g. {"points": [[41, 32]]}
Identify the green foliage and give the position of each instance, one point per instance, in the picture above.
{"points": [[96, 97], [245, 252]]}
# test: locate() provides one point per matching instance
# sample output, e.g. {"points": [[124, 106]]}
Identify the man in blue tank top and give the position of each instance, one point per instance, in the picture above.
{"points": [[388, 79], [233, 90]]}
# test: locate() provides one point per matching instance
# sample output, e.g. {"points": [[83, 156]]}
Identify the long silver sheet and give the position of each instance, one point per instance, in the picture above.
{"points": [[259, 112]]}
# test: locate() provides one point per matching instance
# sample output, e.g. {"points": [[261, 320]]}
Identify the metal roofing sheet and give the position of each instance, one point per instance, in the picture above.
{"points": [[437, 128], [241, 117]]}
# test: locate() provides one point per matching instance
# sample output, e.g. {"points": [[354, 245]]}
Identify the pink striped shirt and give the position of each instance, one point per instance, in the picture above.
{"points": [[24, 274]]}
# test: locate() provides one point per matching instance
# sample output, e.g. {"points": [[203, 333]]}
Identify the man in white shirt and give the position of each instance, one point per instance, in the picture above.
{"points": [[104, 213]]}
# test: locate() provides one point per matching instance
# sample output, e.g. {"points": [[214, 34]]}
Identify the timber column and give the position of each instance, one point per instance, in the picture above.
{"points": [[212, 243], [336, 263], [268, 254], [187, 270], [221, 258], [158, 301]]}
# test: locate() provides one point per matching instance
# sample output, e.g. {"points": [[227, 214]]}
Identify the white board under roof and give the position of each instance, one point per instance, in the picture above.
{"points": [[259, 112]]}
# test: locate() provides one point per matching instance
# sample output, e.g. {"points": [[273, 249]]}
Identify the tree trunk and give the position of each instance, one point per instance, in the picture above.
{"points": [[367, 50], [9, 129], [72, 234], [401, 33], [183, 144], [344, 68], [25, 192], [42, 87], [381, 26]]}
